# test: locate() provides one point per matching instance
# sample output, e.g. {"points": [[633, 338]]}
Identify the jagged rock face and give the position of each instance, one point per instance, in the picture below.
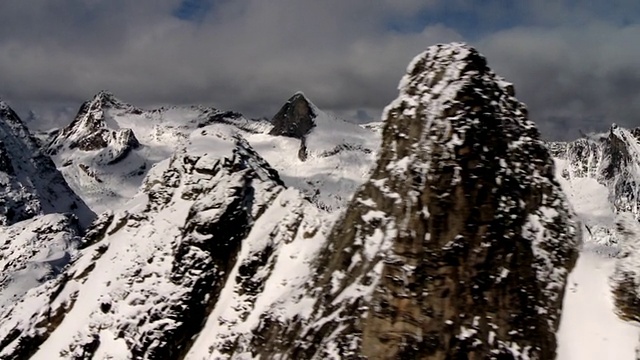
{"points": [[612, 158], [460, 244], [30, 184], [295, 118], [89, 130]]}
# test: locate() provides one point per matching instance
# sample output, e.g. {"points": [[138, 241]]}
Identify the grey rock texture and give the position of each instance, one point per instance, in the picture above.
{"points": [[460, 244], [294, 119]]}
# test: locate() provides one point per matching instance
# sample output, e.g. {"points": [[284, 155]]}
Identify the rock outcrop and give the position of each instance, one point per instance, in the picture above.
{"points": [[295, 118], [460, 244]]}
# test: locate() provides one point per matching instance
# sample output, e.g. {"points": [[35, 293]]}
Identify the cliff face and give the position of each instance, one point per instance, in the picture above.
{"points": [[30, 184], [460, 243], [294, 119]]}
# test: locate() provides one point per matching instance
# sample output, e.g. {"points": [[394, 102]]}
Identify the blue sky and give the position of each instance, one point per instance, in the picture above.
{"points": [[193, 10], [572, 61]]}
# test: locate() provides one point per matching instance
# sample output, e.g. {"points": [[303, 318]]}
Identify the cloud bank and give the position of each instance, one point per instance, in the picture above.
{"points": [[573, 62]]}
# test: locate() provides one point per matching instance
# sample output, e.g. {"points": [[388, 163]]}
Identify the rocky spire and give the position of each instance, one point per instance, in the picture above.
{"points": [[295, 118], [460, 244]]}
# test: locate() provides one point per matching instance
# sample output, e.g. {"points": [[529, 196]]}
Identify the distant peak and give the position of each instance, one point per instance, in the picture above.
{"points": [[298, 96], [295, 118], [105, 98], [104, 93]]}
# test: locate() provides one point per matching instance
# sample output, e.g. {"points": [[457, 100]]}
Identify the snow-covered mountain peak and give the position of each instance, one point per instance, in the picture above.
{"points": [[105, 98], [612, 159], [110, 145], [93, 129]]}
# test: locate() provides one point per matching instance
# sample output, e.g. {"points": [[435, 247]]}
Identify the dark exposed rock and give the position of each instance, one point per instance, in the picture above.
{"points": [[345, 147], [460, 244], [295, 118], [5, 161], [625, 281]]}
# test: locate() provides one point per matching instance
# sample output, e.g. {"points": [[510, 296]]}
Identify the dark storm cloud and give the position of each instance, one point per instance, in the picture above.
{"points": [[586, 76], [573, 62]]}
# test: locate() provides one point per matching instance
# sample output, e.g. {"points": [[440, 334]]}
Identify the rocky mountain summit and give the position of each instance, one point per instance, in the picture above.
{"points": [[458, 246], [108, 148], [295, 118], [89, 131]]}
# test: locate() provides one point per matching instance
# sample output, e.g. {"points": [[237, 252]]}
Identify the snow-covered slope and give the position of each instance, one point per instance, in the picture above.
{"points": [[106, 151], [325, 157], [33, 251], [600, 173], [30, 184], [40, 216], [590, 328], [612, 159], [212, 225]]}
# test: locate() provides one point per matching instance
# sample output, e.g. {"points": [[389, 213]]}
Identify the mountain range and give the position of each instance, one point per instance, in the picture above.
{"points": [[450, 230]]}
